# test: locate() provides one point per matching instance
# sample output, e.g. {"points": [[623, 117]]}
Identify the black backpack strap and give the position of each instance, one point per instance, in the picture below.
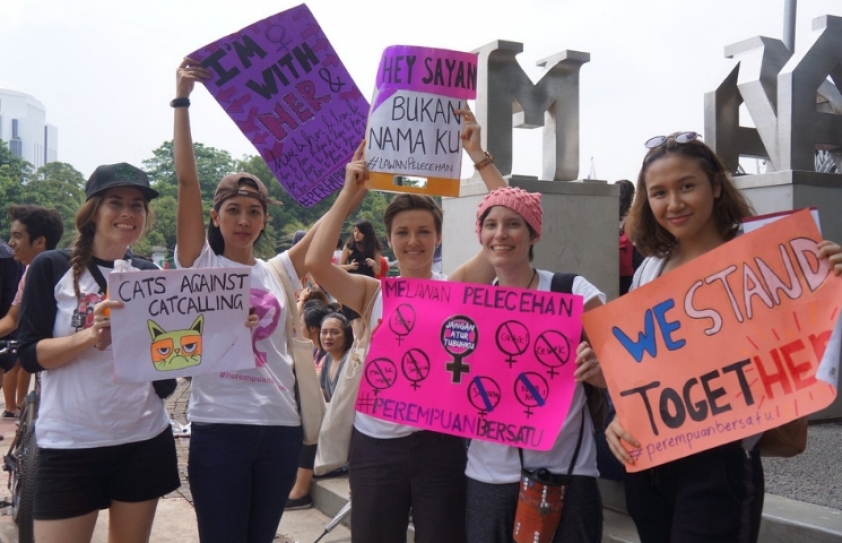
{"points": [[563, 282]]}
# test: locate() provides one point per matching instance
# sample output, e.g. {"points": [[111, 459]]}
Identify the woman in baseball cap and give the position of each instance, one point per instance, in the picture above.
{"points": [[246, 428], [101, 445]]}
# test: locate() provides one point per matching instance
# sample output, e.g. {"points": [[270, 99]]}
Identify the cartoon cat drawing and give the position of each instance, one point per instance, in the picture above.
{"points": [[178, 349]]}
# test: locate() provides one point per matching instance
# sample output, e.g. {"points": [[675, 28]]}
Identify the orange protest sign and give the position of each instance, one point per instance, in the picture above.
{"points": [[723, 348]]}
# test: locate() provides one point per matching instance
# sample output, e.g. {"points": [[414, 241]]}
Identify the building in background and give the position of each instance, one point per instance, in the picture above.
{"points": [[24, 129]]}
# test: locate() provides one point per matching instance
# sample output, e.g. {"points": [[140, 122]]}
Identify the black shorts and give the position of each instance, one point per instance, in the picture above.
{"points": [[74, 482]]}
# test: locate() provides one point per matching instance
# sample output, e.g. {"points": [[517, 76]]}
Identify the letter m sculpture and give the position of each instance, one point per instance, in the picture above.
{"points": [[506, 98]]}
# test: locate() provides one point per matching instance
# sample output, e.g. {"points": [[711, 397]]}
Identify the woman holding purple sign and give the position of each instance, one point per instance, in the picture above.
{"points": [[393, 467], [508, 225], [246, 427]]}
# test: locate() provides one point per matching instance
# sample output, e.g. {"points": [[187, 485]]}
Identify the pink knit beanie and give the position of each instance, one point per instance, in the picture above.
{"points": [[526, 204]]}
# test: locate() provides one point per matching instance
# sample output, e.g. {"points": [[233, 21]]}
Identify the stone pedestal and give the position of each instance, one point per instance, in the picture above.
{"points": [[782, 191], [579, 233]]}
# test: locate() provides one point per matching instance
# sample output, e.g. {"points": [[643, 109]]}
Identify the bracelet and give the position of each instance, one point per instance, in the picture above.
{"points": [[180, 102], [489, 159]]}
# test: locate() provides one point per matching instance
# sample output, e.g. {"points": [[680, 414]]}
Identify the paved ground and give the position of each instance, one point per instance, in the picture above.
{"points": [[175, 520], [814, 477]]}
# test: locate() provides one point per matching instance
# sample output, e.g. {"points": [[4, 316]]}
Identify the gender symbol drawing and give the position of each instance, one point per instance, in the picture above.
{"points": [[459, 337], [177, 349], [380, 374], [484, 394], [402, 321], [513, 339], [415, 365], [531, 390], [552, 349]]}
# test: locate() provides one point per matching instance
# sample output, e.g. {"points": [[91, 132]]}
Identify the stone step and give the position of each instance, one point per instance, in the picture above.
{"points": [[784, 520]]}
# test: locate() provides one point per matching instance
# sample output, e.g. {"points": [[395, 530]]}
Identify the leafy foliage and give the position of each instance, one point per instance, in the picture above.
{"points": [[61, 186]]}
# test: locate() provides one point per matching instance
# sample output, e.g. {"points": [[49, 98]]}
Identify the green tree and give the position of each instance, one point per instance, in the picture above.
{"points": [[14, 172], [60, 186], [213, 164]]}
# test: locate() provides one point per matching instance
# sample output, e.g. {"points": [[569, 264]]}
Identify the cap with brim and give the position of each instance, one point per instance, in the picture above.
{"points": [[230, 187], [109, 176]]}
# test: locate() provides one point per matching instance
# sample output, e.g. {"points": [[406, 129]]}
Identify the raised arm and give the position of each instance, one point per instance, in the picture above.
{"points": [[472, 144], [190, 226], [477, 269], [354, 291]]}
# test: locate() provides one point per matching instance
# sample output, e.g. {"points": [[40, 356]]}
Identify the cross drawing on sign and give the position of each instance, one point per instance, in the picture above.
{"points": [[457, 368]]}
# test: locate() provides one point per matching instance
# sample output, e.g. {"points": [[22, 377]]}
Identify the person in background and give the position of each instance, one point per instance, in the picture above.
{"points": [[101, 445], [10, 273], [630, 257], [34, 229], [312, 313]]}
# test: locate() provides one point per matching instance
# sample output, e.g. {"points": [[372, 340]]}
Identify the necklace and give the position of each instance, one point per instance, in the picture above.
{"points": [[534, 274]]}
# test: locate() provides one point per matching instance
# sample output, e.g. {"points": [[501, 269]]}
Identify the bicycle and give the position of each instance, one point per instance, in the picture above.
{"points": [[21, 460]]}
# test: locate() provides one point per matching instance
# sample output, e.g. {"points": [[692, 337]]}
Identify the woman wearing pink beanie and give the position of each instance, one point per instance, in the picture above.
{"points": [[508, 225]]}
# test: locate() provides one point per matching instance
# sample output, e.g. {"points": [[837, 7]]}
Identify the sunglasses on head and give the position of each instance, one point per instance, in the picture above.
{"points": [[682, 137]]}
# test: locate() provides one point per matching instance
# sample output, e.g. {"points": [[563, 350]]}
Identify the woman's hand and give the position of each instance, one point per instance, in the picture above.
{"points": [[833, 253], [370, 262], [102, 323], [252, 320], [615, 435], [189, 71], [471, 135], [352, 265], [587, 366], [356, 171]]}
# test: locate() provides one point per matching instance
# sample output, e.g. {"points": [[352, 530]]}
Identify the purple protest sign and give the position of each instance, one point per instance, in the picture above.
{"points": [[425, 69], [283, 84]]}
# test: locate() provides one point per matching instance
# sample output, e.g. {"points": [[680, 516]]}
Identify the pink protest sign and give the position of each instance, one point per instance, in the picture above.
{"points": [[475, 361], [283, 84]]}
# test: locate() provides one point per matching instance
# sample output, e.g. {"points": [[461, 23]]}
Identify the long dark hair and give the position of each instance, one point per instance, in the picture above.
{"points": [[729, 209], [370, 243], [215, 239], [346, 328]]}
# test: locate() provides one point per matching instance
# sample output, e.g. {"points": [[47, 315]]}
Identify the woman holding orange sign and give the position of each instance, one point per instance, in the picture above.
{"points": [[687, 206]]}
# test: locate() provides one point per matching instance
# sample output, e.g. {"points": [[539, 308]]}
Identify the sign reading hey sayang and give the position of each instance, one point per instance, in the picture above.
{"points": [[475, 361], [413, 138], [283, 84], [176, 323], [742, 340]]}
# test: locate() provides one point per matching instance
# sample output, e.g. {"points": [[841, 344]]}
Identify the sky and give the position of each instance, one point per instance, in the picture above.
{"points": [[105, 70]]}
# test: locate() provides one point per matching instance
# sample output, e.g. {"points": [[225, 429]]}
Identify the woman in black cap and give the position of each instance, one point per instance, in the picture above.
{"points": [[246, 428], [101, 445]]}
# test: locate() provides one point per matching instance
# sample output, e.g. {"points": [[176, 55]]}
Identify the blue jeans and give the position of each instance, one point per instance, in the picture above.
{"points": [[240, 478]]}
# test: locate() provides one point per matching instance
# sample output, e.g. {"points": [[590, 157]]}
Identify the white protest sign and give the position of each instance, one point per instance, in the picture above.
{"points": [[177, 323]]}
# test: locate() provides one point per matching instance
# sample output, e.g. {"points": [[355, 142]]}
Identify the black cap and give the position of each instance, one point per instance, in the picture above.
{"points": [[109, 176]]}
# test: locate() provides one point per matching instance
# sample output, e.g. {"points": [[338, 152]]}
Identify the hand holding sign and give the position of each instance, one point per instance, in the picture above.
{"points": [[751, 343]]}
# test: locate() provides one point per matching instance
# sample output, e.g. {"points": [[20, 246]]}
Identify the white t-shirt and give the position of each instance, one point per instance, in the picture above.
{"points": [[498, 464], [368, 425], [81, 405], [264, 395]]}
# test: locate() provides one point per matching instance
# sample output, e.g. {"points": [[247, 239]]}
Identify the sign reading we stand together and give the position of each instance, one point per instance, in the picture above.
{"points": [[742, 340]]}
